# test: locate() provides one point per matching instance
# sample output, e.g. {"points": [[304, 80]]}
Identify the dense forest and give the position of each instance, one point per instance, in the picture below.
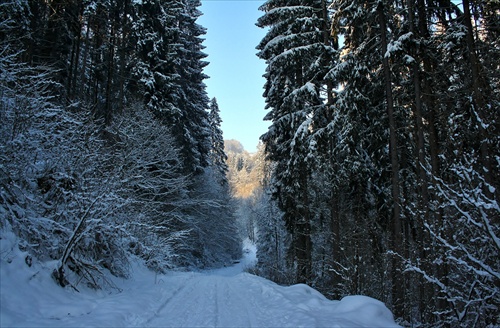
{"points": [[379, 174], [109, 144], [384, 154]]}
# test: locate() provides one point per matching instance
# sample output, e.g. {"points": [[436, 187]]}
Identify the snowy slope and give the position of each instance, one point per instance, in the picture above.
{"points": [[220, 298]]}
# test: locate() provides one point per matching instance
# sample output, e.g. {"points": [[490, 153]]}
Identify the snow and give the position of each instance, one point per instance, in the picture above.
{"points": [[227, 297]]}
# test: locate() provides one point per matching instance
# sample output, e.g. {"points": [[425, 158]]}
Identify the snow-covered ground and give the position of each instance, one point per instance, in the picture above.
{"points": [[227, 297]]}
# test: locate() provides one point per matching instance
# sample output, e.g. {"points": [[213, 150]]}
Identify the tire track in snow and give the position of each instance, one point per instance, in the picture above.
{"points": [[233, 298], [193, 305], [217, 300], [169, 299]]}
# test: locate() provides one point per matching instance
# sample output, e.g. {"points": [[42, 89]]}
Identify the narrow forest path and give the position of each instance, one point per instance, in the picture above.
{"points": [[227, 297]]}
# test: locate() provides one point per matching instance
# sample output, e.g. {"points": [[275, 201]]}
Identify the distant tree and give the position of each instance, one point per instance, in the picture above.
{"points": [[218, 156], [272, 239], [244, 169], [215, 238]]}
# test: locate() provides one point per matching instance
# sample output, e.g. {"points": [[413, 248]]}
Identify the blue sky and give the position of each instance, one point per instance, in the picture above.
{"points": [[235, 71]]}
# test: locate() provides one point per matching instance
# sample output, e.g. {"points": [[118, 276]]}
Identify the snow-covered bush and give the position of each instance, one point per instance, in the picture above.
{"points": [[54, 187], [150, 183]]}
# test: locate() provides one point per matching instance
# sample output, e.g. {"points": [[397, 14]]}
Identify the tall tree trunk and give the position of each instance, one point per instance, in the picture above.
{"points": [[84, 85], [122, 52], [435, 216], [303, 243], [108, 109], [422, 241], [335, 231], [478, 96], [75, 71], [327, 41], [418, 109], [397, 233]]}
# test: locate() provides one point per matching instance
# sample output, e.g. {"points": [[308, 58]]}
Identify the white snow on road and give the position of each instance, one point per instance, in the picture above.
{"points": [[227, 297]]}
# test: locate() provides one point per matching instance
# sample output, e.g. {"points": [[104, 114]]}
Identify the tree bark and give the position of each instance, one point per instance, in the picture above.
{"points": [[302, 237], [478, 96], [422, 241], [397, 235]]}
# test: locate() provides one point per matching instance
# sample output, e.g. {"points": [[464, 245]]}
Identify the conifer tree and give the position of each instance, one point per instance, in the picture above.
{"points": [[294, 50], [218, 156], [193, 127], [155, 33], [170, 71]]}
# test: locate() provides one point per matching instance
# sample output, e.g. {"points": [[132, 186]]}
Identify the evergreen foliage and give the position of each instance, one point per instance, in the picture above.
{"points": [[385, 154], [218, 157], [294, 51]]}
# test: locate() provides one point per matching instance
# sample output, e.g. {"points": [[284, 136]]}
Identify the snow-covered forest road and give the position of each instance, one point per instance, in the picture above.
{"points": [[226, 297], [244, 300]]}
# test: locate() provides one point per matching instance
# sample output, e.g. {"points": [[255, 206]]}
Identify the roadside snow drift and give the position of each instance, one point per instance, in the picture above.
{"points": [[220, 298]]}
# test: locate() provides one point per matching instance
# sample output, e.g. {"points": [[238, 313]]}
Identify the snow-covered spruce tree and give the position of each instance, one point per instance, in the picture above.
{"points": [[170, 72], [423, 113], [104, 55], [396, 223], [376, 56], [192, 128], [369, 118], [272, 238], [294, 50], [461, 181], [86, 42], [347, 154], [412, 113], [218, 157], [435, 128], [155, 30]]}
